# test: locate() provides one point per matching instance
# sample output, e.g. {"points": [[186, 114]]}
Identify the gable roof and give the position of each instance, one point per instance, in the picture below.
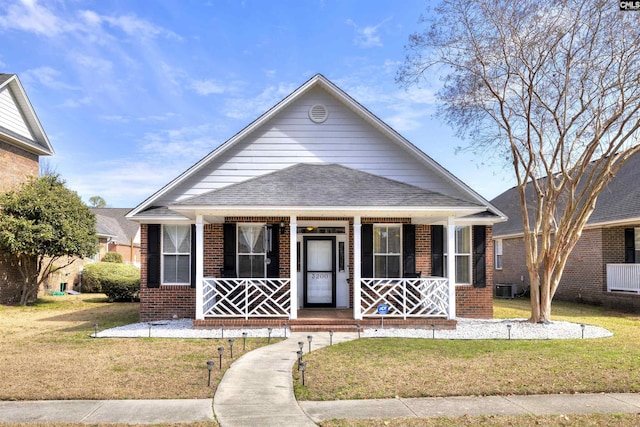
{"points": [[21, 126], [111, 222], [318, 81], [619, 202]]}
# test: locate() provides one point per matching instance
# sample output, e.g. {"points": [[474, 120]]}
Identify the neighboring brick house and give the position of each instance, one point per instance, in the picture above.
{"points": [[22, 142], [118, 234], [316, 204], [604, 267]]}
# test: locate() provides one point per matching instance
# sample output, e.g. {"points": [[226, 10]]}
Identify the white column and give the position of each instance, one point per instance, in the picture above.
{"points": [[451, 265], [293, 265], [199, 267], [357, 267]]}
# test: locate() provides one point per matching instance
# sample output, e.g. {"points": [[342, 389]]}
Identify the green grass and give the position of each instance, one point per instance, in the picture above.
{"points": [[390, 367]]}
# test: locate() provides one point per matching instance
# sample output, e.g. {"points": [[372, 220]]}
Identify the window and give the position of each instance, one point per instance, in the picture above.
{"points": [[497, 250], [386, 251], [252, 252], [176, 254], [462, 254]]}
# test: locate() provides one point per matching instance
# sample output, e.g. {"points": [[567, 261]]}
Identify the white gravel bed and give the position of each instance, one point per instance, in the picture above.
{"points": [[468, 329]]}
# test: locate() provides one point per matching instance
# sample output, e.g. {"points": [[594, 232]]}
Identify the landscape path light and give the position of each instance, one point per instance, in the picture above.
{"points": [[284, 327], [300, 345], [95, 330], [220, 351], [582, 326], [244, 341], [509, 330], [358, 326], [231, 340], [209, 368], [269, 338], [150, 329], [330, 336], [222, 330], [299, 354], [433, 331], [303, 368], [309, 338]]}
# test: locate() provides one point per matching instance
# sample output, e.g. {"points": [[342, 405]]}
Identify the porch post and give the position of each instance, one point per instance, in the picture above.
{"points": [[199, 267], [293, 265], [357, 269], [451, 266]]}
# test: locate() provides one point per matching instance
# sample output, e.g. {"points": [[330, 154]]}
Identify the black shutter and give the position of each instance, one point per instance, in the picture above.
{"points": [[273, 268], [193, 256], [409, 250], [629, 246], [366, 249], [229, 262], [479, 260], [153, 255], [437, 250]]}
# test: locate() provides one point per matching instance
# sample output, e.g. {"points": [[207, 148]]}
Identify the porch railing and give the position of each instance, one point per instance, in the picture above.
{"points": [[423, 297], [623, 278], [246, 297]]}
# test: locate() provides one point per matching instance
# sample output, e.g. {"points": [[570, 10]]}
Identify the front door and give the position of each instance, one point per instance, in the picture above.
{"points": [[319, 271]]}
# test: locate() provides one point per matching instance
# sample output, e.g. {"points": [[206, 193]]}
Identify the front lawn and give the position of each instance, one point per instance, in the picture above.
{"points": [[46, 352], [389, 367]]}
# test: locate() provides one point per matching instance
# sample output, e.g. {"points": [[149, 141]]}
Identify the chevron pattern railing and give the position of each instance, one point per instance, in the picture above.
{"points": [[246, 297], [422, 297]]}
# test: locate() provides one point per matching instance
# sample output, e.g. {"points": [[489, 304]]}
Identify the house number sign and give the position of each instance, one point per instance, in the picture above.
{"points": [[320, 276]]}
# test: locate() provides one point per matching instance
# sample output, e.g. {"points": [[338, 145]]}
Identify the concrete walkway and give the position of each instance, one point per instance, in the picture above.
{"points": [[257, 390]]}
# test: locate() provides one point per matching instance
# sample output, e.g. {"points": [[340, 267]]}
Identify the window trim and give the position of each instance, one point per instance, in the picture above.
{"points": [[163, 254], [387, 254], [266, 243], [498, 262], [456, 254]]}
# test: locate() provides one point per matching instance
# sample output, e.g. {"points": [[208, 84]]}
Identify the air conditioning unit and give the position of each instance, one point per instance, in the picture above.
{"points": [[505, 290]]}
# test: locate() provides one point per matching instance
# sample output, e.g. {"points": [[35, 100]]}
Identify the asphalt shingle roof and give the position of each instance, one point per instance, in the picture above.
{"points": [[112, 222], [323, 185], [619, 201]]}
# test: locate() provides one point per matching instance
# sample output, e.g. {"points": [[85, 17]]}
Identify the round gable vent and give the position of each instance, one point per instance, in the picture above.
{"points": [[318, 113]]}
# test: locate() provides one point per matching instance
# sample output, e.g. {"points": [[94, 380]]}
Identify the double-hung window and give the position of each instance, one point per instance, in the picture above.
{"points": [[252, 252], [497, 249], [176, 254], [387, 251], [462, 254]]}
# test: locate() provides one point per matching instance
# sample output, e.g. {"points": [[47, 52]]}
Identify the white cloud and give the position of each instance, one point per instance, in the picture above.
{"points": [[28, 15], [367, 36], [191, 142], [47, 76], [207, 87]]}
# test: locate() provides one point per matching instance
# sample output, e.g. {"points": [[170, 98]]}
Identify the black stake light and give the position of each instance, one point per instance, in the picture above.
{"points": [[433, 331], [244, 341], [220, 351], [150, 330], [330, 336], [309, 338], [299, 354], [269, 338], [303, 368], [222, 330], [284, 329], [509, 329], [95, 330], [209, 368], [231, 340], [300, 345], [358, 326], [582, 326]]}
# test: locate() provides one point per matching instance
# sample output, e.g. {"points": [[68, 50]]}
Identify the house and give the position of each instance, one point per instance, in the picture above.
{"points": [[118, 234], [316, 204], [22, 142], [604, 267]]}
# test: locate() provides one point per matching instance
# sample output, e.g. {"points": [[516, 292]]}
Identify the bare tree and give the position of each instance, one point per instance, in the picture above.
{"points": [[97, 202], [554, 87]]}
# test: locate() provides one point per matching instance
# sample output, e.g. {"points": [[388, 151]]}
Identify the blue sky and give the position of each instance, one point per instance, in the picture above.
{"points": [[133, 92]]}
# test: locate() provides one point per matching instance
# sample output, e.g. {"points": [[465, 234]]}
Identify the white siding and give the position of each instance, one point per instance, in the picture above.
{"points": [[291, 138], [10, 116]]}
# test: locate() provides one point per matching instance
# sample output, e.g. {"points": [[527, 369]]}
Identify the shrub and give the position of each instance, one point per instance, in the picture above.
{"points": [[120, 282], [112, 257]]}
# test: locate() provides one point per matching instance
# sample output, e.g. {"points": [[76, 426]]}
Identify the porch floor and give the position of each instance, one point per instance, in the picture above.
{"points": [[325, 319]]}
